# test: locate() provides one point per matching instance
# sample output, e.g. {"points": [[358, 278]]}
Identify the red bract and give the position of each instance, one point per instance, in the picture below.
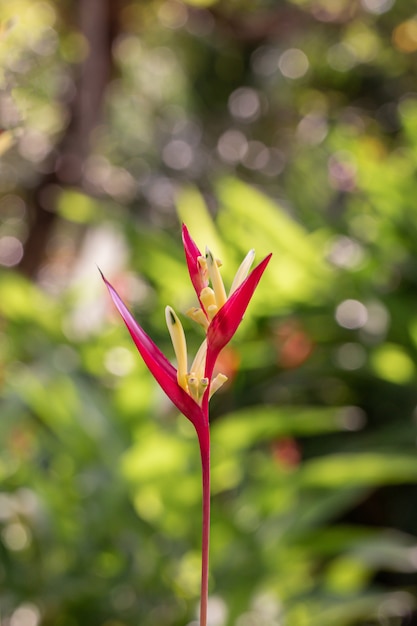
{"points": [[227, 320], [161, 369], [190, 388], [192, 253]]}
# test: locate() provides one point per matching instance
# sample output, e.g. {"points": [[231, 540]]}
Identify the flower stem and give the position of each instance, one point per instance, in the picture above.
{"points": [[205, 465]]}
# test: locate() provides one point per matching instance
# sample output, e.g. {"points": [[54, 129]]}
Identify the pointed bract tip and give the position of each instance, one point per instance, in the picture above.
{"points": [[170, 315], [184, 230], [106, 282]]}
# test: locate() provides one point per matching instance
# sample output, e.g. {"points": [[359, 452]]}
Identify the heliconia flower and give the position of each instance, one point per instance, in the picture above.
{"points": [[191, 387], [220, 315]]}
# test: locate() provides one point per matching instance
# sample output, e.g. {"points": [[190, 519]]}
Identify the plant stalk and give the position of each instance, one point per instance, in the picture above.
{"points": [[205, 465]]}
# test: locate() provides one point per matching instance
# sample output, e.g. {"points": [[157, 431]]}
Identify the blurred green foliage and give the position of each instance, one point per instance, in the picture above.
{"points": [[289, 127]]}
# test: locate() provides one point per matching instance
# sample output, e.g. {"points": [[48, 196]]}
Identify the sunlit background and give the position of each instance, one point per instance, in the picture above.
{"points": [[285, 126]]}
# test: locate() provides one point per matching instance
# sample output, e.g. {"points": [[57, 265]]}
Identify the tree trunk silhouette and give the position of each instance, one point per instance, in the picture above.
{"points": [[97, 23]]}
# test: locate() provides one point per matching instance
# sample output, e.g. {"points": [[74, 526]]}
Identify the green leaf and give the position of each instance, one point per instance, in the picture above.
{"points": [[366, 469], [247, 427]]}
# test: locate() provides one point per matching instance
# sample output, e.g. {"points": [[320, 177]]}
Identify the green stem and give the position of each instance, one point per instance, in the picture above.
{"points": [[205, 465]]}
